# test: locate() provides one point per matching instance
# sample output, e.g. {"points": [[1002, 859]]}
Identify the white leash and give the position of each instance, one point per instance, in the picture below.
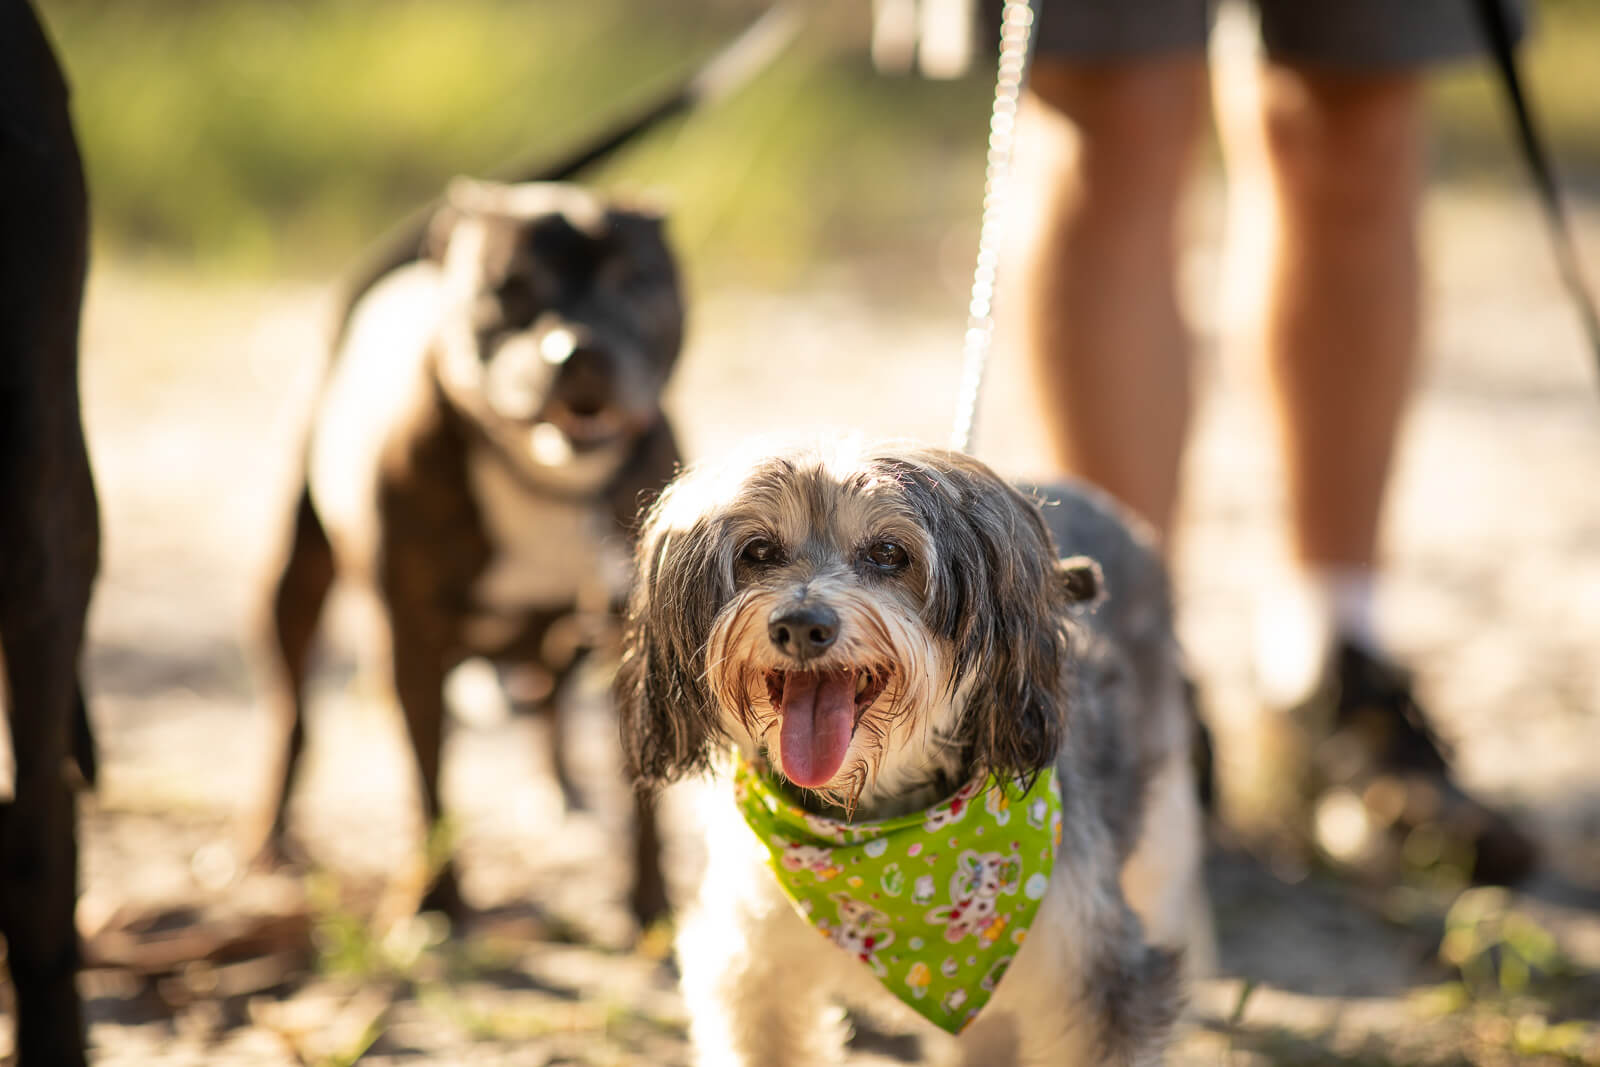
{"points": [[1016, 34]]}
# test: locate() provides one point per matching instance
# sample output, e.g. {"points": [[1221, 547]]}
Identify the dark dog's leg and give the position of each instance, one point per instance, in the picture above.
{"points": [[419, 672], [1203, 753], [49, 535], [297, 601], [84, 753], [555, 712], [39, 865], [648, 897], [41, 631]]}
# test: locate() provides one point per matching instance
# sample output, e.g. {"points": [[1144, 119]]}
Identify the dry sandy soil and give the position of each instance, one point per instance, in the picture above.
{"points": [[195, 393]]}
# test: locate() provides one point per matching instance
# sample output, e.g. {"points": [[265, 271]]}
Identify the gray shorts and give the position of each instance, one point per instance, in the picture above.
{"points": [[1351, 35]]}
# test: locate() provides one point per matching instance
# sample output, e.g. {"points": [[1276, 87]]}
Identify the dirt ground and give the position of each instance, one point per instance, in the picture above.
{"points": [[195, 392]]}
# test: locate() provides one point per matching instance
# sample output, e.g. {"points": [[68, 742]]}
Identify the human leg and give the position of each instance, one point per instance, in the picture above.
{"points": [[1337, 332], [1339, 336], [1106, 149]]}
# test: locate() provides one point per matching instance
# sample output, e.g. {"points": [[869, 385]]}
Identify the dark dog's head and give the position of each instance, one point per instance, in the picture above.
{"points": [[562, 317], [867, 615]]}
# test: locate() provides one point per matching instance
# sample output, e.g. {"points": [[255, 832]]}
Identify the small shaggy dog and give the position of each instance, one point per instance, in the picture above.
{"points": [[931, 736]]}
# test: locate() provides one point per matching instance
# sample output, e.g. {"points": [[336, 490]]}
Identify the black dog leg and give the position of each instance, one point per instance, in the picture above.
{"points": [[49, 536], [419, 671], [648, 897], [38, 847]]}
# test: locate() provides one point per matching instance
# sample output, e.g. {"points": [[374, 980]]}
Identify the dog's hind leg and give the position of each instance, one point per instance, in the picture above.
{"points": [[290, 625], [1164, 878]]}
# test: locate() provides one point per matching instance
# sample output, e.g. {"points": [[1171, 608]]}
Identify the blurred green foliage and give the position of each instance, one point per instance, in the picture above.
{"points": [[282, 135]]}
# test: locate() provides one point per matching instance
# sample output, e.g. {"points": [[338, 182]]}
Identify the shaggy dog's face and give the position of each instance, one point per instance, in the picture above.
{"points": [[868, 617], [821, 654]]}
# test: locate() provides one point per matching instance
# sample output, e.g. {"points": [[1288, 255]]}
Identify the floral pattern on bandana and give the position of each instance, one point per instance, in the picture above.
{"points": [[934, 903]]}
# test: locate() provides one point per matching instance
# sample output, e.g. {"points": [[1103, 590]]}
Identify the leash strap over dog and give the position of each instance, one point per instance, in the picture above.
{"points": [[1501, 36], [725, 72], [1016, 35], [734, 65]]}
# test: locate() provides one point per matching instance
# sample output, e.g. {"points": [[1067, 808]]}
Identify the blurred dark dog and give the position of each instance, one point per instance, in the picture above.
{"points": [[489, 427], [49, 538]]}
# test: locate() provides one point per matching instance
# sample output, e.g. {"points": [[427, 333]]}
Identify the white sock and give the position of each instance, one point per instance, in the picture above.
{"points": [[1351, 596], [1298, 622]]}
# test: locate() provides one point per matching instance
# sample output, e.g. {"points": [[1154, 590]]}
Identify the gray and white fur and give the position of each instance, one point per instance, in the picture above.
{"points": [[920, 581]]}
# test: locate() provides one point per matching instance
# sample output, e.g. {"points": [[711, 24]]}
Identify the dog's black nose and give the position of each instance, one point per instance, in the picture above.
{"points": [[585, 384], [804, 631]]}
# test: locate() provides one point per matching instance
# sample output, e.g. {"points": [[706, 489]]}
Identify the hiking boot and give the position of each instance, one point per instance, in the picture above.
{"points": [[1368, 789]]}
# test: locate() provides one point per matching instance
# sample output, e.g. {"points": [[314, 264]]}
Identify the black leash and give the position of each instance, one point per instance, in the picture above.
{"points": [[756, 46], [1501, 37]]}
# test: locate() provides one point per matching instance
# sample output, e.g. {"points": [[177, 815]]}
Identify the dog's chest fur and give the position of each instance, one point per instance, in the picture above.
{"points": [[545, 550]]}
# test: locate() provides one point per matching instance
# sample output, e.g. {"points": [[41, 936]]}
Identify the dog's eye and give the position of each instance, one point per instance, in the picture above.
{"points": [[887, 555], [518, 301], [760, 551]]}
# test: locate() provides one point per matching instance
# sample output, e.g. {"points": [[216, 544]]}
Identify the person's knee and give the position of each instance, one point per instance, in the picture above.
{"points": [[1345, 148], [1131, 127]]}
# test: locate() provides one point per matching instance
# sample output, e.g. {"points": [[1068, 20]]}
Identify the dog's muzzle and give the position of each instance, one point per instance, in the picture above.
{"points": [[584, 391]]}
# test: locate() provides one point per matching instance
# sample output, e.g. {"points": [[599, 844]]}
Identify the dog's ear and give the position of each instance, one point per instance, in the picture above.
{"points": [[642, 264], [997, 596], [459, 201], [436, 238], [668, 718], [1081, 581], [467, 199]]}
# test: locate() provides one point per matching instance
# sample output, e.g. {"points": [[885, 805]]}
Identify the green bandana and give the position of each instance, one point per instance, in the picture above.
{"points": [[935, 902]]}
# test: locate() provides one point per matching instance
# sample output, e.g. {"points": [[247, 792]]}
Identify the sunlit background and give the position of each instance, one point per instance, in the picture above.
{"points": [[241, 154], [276, 136]]}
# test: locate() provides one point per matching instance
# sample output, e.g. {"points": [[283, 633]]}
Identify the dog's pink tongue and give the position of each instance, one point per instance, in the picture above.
{"points": [[819, 715]]}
